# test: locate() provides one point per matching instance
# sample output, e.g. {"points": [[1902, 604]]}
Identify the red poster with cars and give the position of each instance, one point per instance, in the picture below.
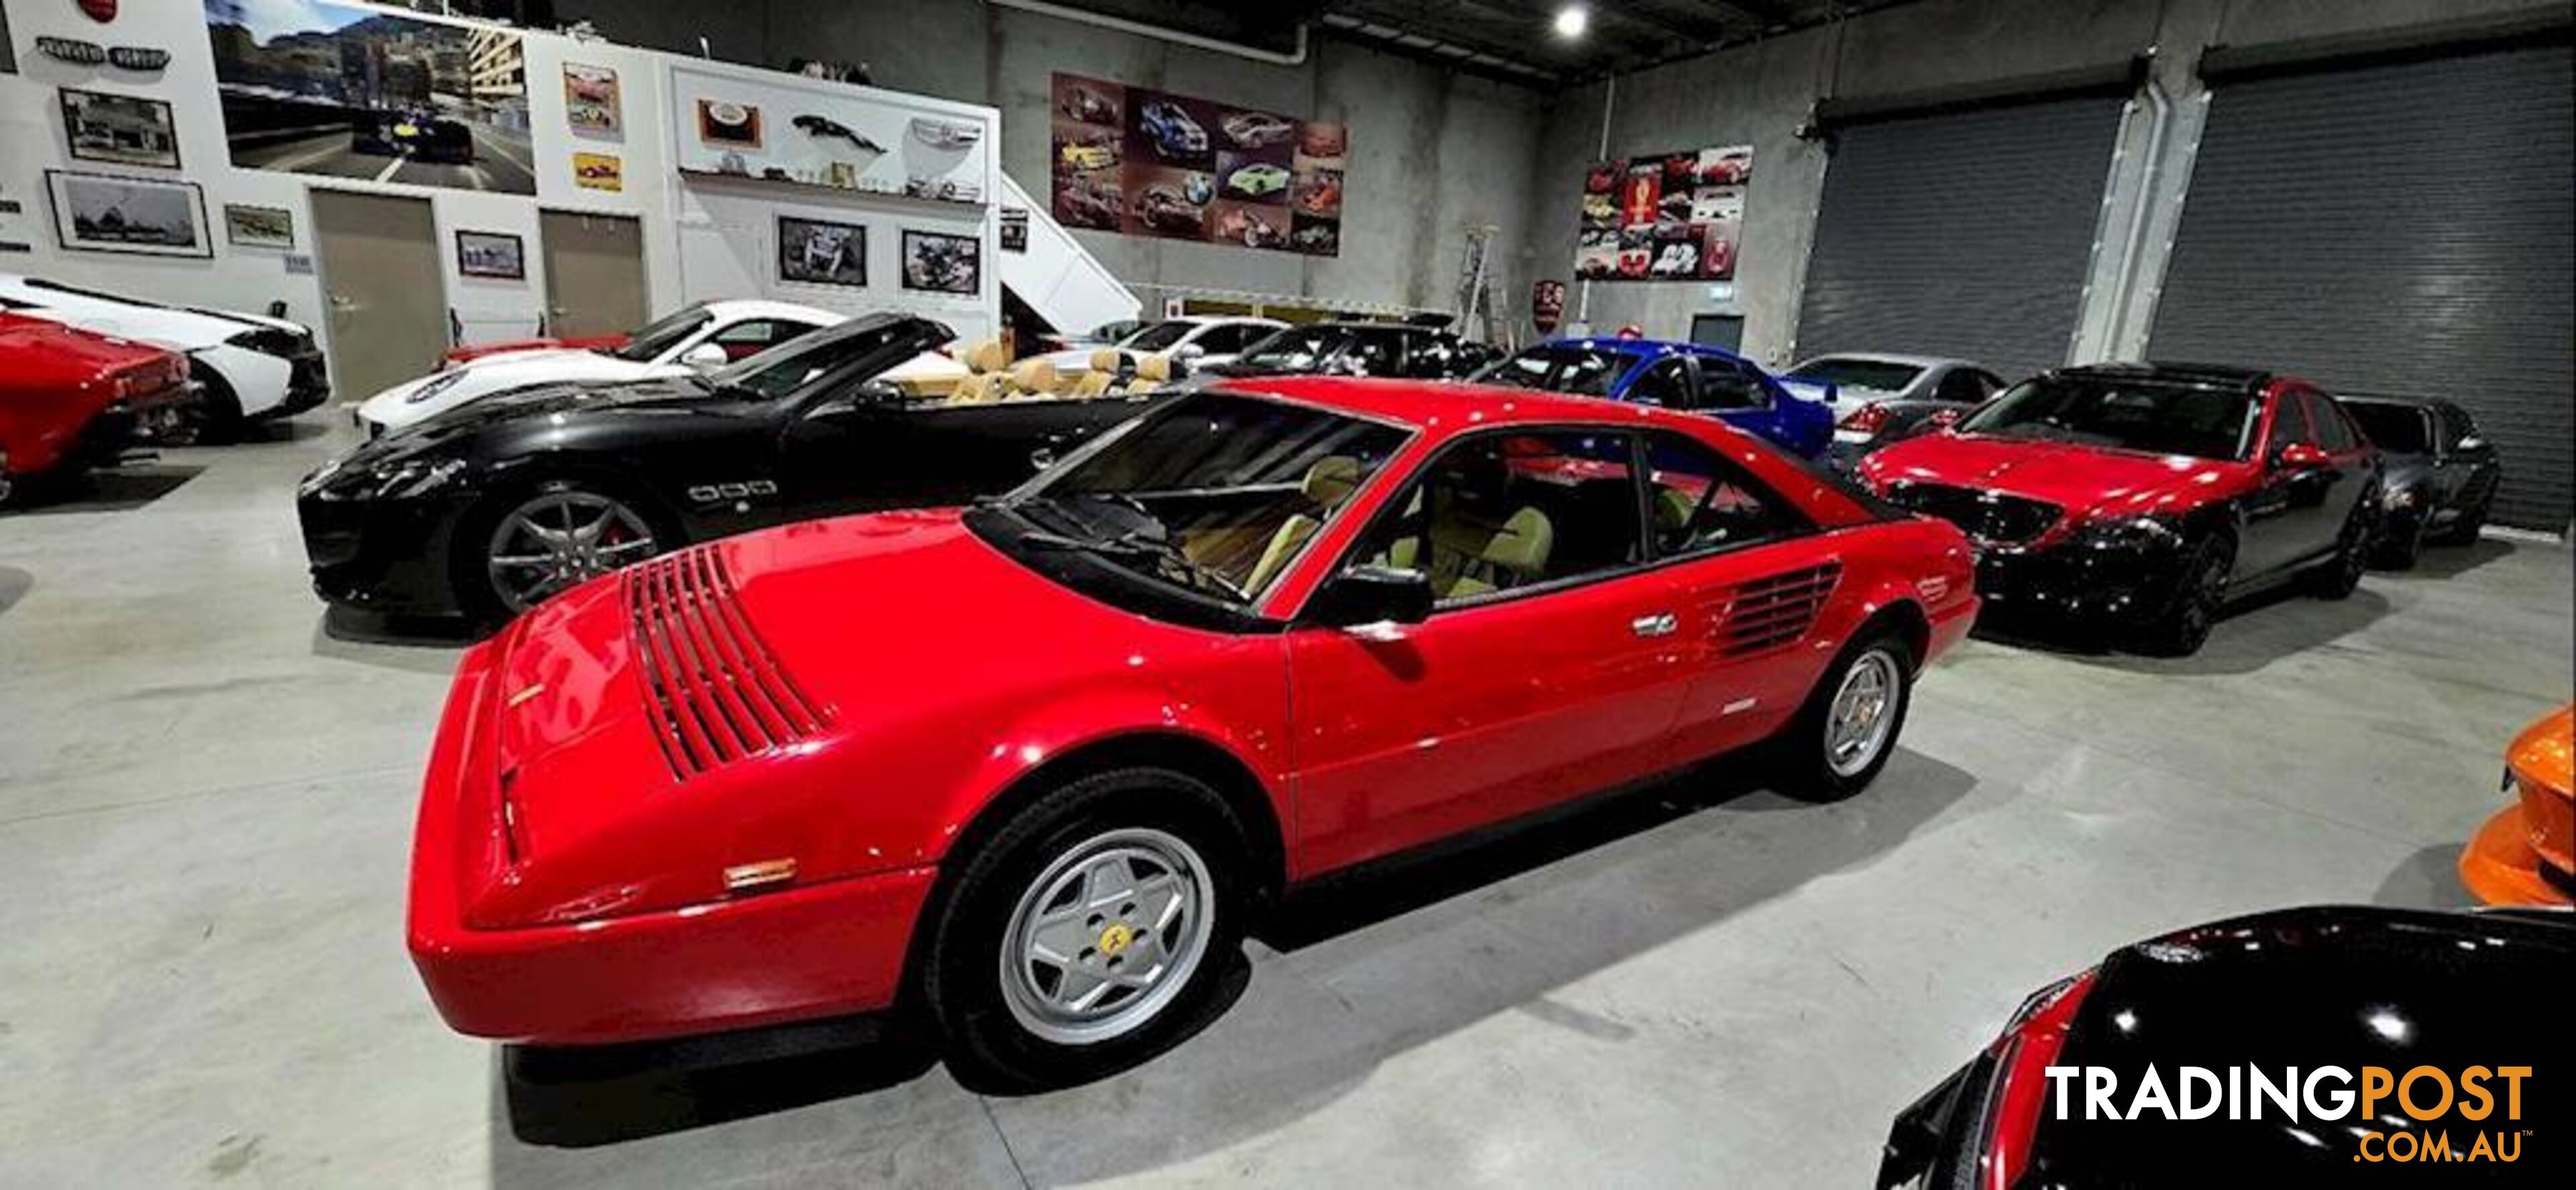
{"points": [[1151, 163], [1664, 217]]}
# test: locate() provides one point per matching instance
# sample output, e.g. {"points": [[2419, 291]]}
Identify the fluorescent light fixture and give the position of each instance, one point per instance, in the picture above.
{"points": [[1572, 20]]}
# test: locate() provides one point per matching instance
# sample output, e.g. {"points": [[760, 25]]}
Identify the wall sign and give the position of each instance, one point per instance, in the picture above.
{"points": [[101, 11], [498, 255], [1547, 305], [138, 216], [90, 53], [1665, 217], [119, 129], [1150, 163], [1015, 229]]}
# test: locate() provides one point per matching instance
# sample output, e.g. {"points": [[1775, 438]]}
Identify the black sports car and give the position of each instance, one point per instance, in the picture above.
{"points": [[2441, 478], [490, 508], [2300, 1047]]}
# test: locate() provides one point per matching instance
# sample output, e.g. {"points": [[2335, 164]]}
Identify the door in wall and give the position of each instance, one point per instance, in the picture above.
{"points": [[1718, 330], [594, 273], [387, 291]]}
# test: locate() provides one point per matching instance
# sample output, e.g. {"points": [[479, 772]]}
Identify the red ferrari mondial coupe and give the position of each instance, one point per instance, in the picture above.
{"points": [[2134, 500], [70, 398], [1032, 765]]}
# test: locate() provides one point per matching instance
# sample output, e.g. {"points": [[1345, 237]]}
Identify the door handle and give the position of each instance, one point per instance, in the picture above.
{"points": [[1654, 625], [1041, 458]]}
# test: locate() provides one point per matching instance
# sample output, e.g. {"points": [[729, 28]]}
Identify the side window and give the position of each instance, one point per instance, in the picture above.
{"points": [[2327, 419], [1429, 359], [1221, 340], [1727, 384], [1988, 384], [1499, 512], [1665, 382], [1379, 354], [1701, 502], [2290, 420], [743, 340], [2455, 426], [1961, 385]]}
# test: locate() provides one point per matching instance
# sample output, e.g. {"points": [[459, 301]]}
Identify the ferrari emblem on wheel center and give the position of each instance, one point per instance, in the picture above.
{"points": [[1115, 939]]}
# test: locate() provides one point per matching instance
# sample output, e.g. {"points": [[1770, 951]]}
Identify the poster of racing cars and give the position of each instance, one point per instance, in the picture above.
{"points": [[1665, 217], [1150, 163]]}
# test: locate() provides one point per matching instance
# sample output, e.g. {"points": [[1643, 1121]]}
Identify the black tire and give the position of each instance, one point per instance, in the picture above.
{"points": [[2401, 545], [1805, 765], [469, 546], [215, 417], [2337, 577], [966, 960], [2199, 594]]}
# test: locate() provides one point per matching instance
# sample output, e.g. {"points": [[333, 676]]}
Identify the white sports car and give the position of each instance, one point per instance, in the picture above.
{"points": [[700, 337], [248, 367], [1195, 339]]}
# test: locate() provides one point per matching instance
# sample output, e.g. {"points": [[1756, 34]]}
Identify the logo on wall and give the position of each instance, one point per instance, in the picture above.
{"points": [[1547, 305], [101, 11]]}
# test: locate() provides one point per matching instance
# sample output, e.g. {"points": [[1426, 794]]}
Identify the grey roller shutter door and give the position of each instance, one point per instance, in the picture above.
{"points": [[1962, 233], [2404, 228]]}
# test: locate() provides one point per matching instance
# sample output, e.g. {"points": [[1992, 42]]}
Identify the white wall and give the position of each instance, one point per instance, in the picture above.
{"points": [[32, 141]]}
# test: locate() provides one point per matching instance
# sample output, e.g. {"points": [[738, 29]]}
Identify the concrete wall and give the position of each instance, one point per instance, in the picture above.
{"points": [[1433, 153], [1760, 93]]}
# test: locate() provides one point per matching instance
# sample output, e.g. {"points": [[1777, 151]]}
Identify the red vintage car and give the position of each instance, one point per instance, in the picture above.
{"points": [[2133, 501], [71, 398], [1032, 765]]}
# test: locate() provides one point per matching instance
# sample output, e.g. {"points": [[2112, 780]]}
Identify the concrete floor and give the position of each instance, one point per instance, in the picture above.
{"points": [[206, 803]]}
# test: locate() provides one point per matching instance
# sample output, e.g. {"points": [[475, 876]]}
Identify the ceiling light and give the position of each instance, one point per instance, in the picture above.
{"points": [[1571, 20]]}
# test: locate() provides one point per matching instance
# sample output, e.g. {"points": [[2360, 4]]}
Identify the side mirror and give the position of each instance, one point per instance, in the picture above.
{"points": [[706, 357], [1372, 595], [2469, 443], [2300, 456], [1188, 351]]}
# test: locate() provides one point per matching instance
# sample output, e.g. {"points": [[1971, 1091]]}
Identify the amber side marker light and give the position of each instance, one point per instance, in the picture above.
{"points": [[767, 874]]}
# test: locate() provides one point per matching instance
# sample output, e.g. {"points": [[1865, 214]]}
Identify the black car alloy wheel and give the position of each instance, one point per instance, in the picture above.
{"points": [[559, 537]]}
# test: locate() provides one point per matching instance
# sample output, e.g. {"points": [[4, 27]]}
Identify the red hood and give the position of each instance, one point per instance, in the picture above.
{"points": [[2085, 481], [850, 633]]}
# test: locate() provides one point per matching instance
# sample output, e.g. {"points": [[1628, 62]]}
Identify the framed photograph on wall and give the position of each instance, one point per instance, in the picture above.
{"points": [[820, 252], [592, 104], [258, 227], [728, 125], [497, 255], [935, 262], [119, 129], [138, 216]]}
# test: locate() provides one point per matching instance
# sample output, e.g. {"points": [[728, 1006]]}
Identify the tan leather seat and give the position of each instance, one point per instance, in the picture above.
{"points": [[986, 381], [1106, 364], [1152, 372], [1036, 380], [1329, 482], [1516, 553]]}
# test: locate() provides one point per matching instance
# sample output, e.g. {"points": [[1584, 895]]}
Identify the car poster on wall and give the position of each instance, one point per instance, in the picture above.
{"points": [[1664, 217], [1151, 163]]}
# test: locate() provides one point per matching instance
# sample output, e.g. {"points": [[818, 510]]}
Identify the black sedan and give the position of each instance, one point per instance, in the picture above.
{"points": [[487, 510], [2300, 1047], [2442, 474]]}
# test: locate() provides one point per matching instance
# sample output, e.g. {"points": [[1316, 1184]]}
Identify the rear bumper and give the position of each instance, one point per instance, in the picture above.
{"points": [[308, 384], [825, 950]]}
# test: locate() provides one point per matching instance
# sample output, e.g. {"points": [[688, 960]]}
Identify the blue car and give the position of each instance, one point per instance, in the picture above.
{"points": [[1677, 376], [1172, 130]]}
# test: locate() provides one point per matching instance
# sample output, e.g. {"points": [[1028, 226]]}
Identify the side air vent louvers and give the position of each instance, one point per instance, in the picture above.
{"points": [[715, 691], [1774, 611]]}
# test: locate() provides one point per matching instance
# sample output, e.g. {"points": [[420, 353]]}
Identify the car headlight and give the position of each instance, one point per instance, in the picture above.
{"points": [[2135, 534], [400, 479], [436, 385], [2400, 499]]}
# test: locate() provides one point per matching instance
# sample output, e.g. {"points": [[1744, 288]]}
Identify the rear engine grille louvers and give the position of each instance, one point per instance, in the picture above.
{"points": [[1774, 611], [715, 691]]}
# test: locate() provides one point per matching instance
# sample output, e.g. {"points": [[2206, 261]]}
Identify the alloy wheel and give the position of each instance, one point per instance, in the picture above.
{"points": [[1863, 713], [1106, 936], [561, 538]]}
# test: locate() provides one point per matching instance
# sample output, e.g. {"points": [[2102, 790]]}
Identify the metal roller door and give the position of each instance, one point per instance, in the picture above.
{"points": [[1962, 233], [2403, 228]]}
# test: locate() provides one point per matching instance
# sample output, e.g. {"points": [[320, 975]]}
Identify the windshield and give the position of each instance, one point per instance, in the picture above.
{"points": [[2392, 426], [1876, 375], [2157, 418], [1215, 491], [800, 361], [663, 334], [1564, 369], [1159, 336]]}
